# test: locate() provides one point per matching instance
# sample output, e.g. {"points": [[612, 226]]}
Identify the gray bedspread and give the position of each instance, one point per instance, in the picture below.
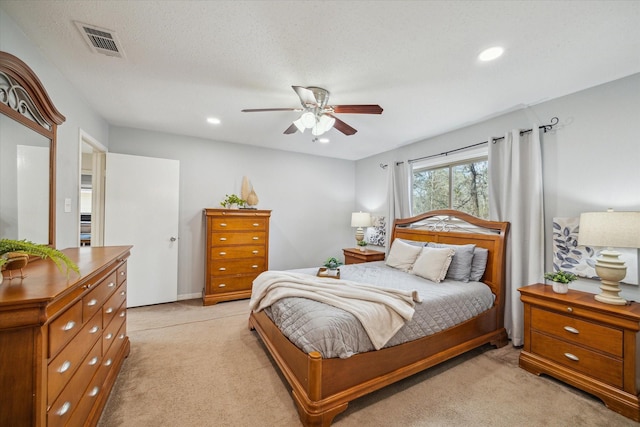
{"points": [[314, 326]]}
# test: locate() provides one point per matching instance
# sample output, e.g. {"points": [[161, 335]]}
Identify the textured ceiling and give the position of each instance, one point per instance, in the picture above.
{"points": [[188, 60]]}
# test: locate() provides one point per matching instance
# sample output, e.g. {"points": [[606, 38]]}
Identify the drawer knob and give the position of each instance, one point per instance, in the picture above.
{"points": [[572, 357], [92, 302], [109, 310], [222, 269], [121, 336], [223, 253], [64, 367], [223, 239], [123, 293], [122, 273], [570, 310], [94, 330], [122, 314], [256, 238], [108, 336], [255, 252], [222, 285], [255, 224], [93, 361], [254, 266], [223, 224], [572, 330], [94, 391], [111, 285], [108, 362], [64, 408], [69, 325]]}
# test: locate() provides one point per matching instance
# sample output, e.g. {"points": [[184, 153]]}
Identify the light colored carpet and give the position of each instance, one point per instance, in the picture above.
{"points": [[200, 366]]}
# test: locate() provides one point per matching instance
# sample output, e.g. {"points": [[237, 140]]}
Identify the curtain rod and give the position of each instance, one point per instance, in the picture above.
{"points": [[545, 128]]}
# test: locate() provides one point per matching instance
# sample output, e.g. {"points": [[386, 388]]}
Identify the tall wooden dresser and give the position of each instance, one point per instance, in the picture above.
{"points": [[237, 251], [63, 338]]}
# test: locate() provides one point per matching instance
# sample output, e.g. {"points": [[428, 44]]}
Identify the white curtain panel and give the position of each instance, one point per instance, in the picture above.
{"points": [[398, 192], [516, 195]]}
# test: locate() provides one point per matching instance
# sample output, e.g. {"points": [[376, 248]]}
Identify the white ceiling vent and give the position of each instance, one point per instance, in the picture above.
{"points": [[101, 40]]}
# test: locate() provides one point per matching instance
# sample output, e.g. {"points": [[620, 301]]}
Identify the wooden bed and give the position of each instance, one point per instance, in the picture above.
{"points": [[322, 388]]}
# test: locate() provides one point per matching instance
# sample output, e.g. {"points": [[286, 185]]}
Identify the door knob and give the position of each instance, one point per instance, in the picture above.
{"points": [[173, 239]]}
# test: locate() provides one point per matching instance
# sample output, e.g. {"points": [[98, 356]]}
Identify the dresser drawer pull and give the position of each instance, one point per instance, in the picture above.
{"points": [[111, 285], [254, 266], [94, 330], [69, 325], [122, 314], [223, 253], [223, 224], [256, 238], [570, 310], [223, 239], [108, 336], [93, 361], [572, 330], [255, 252], [255, 224], [94, 391], [64, 408], [108, 362], [122, 273], [572, 357], [92, 302], [109, 310], [64, 367], [123, 293], [222, 285], [222, 269], [121, 336]]}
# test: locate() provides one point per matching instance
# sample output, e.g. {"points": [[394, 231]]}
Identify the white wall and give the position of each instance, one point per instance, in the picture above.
{"points": [[311, 198], [78, 115], [590, 160]]}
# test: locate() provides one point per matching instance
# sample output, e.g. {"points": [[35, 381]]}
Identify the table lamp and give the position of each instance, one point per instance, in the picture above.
{"points": [[359, 220], [610, 230]]}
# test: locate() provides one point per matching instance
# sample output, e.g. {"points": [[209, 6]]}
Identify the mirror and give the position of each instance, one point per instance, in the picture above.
{"points": [[28, 125]]}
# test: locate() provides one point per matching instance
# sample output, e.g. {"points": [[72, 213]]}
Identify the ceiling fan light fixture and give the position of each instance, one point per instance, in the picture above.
{"points": [[299, 125], [308, 119]]}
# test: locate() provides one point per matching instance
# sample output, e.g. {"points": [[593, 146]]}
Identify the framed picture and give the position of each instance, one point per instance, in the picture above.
{"points": [[581, 260], [376, 234]]}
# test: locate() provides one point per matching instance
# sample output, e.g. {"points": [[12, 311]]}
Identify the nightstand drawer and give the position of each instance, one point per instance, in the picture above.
{"points": [[591, 363], [592, 335]]}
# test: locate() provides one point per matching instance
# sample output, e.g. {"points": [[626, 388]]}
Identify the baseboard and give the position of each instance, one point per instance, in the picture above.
{"points": [[189, 296]]}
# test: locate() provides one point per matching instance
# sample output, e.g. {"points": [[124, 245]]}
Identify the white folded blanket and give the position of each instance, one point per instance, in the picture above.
{"points": [[382, 311]]}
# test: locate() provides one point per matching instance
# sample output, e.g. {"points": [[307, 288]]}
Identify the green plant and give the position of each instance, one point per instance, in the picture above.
{"points": [[332, 263], [560, 276], [362, 243], [232, 200], [35, 249]]}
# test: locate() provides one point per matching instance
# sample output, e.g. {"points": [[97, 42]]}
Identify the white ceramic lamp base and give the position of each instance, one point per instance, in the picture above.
{"points": [[611, 269]]}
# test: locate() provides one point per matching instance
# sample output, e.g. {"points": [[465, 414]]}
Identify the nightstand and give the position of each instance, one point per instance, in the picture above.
{"points": [[591, 345], [356, 256]]}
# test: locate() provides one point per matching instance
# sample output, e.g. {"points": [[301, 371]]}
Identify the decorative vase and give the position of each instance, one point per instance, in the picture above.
{"points": [[252, 198], [560, 288]]}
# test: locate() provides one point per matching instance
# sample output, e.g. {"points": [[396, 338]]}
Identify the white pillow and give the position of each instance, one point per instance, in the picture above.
{"points": [[433, 263], [402, 255]]}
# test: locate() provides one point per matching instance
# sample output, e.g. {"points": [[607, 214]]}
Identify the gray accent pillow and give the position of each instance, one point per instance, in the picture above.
{"points": [[478, 263], [460, 268]]}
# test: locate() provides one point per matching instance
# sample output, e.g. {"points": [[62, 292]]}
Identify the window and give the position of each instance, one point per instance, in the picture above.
{"points": [[459, 183]]}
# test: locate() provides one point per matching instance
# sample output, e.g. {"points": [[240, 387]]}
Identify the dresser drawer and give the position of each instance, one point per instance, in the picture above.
{"points": [[95, 299], [65, 364], [226, 239], [597, 365], [235, 224], [592, 335], [231, 284], [111, 331], [237, 266], [230, 252], [110, 308], [64, 328], [121, 273]]}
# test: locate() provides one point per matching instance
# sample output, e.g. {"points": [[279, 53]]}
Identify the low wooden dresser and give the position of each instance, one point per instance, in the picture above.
{"points": [[591, 345], [237, 251], [63, 338], [356, 256]]}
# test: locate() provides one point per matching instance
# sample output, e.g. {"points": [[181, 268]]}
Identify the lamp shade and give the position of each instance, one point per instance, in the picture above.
{"points": [[610, 229], [361, 219]]}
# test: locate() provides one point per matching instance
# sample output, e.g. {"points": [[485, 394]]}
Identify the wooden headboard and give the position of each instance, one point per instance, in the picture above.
{"points": [[458, 228]]}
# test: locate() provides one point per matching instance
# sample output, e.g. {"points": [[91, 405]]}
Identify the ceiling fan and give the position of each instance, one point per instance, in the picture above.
{"points": [[317, 115]]}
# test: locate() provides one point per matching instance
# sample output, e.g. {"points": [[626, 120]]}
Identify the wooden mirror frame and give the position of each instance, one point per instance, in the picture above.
{"points": [[33, 108]]}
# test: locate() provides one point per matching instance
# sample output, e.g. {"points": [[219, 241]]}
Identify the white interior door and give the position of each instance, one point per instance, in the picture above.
{"points": [[141, 209]]}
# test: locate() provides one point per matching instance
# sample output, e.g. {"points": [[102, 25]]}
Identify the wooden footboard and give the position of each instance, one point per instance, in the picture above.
{"points": [[322, 388]]}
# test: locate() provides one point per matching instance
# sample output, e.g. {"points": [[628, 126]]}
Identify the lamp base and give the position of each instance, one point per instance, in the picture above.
{"points": [[611, 270], [359, 235]]}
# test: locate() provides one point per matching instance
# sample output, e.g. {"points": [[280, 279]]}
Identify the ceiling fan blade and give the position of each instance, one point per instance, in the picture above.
{"points": [[357, 109], [342, 126], [291, 129], [306, 96], [255, 110]]}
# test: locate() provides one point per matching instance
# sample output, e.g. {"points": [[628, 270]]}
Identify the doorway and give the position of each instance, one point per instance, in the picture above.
{"points": [[91, 195]]}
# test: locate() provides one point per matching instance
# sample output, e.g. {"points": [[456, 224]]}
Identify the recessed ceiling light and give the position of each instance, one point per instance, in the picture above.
{"points": [[213, 120], [491, 53]]}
